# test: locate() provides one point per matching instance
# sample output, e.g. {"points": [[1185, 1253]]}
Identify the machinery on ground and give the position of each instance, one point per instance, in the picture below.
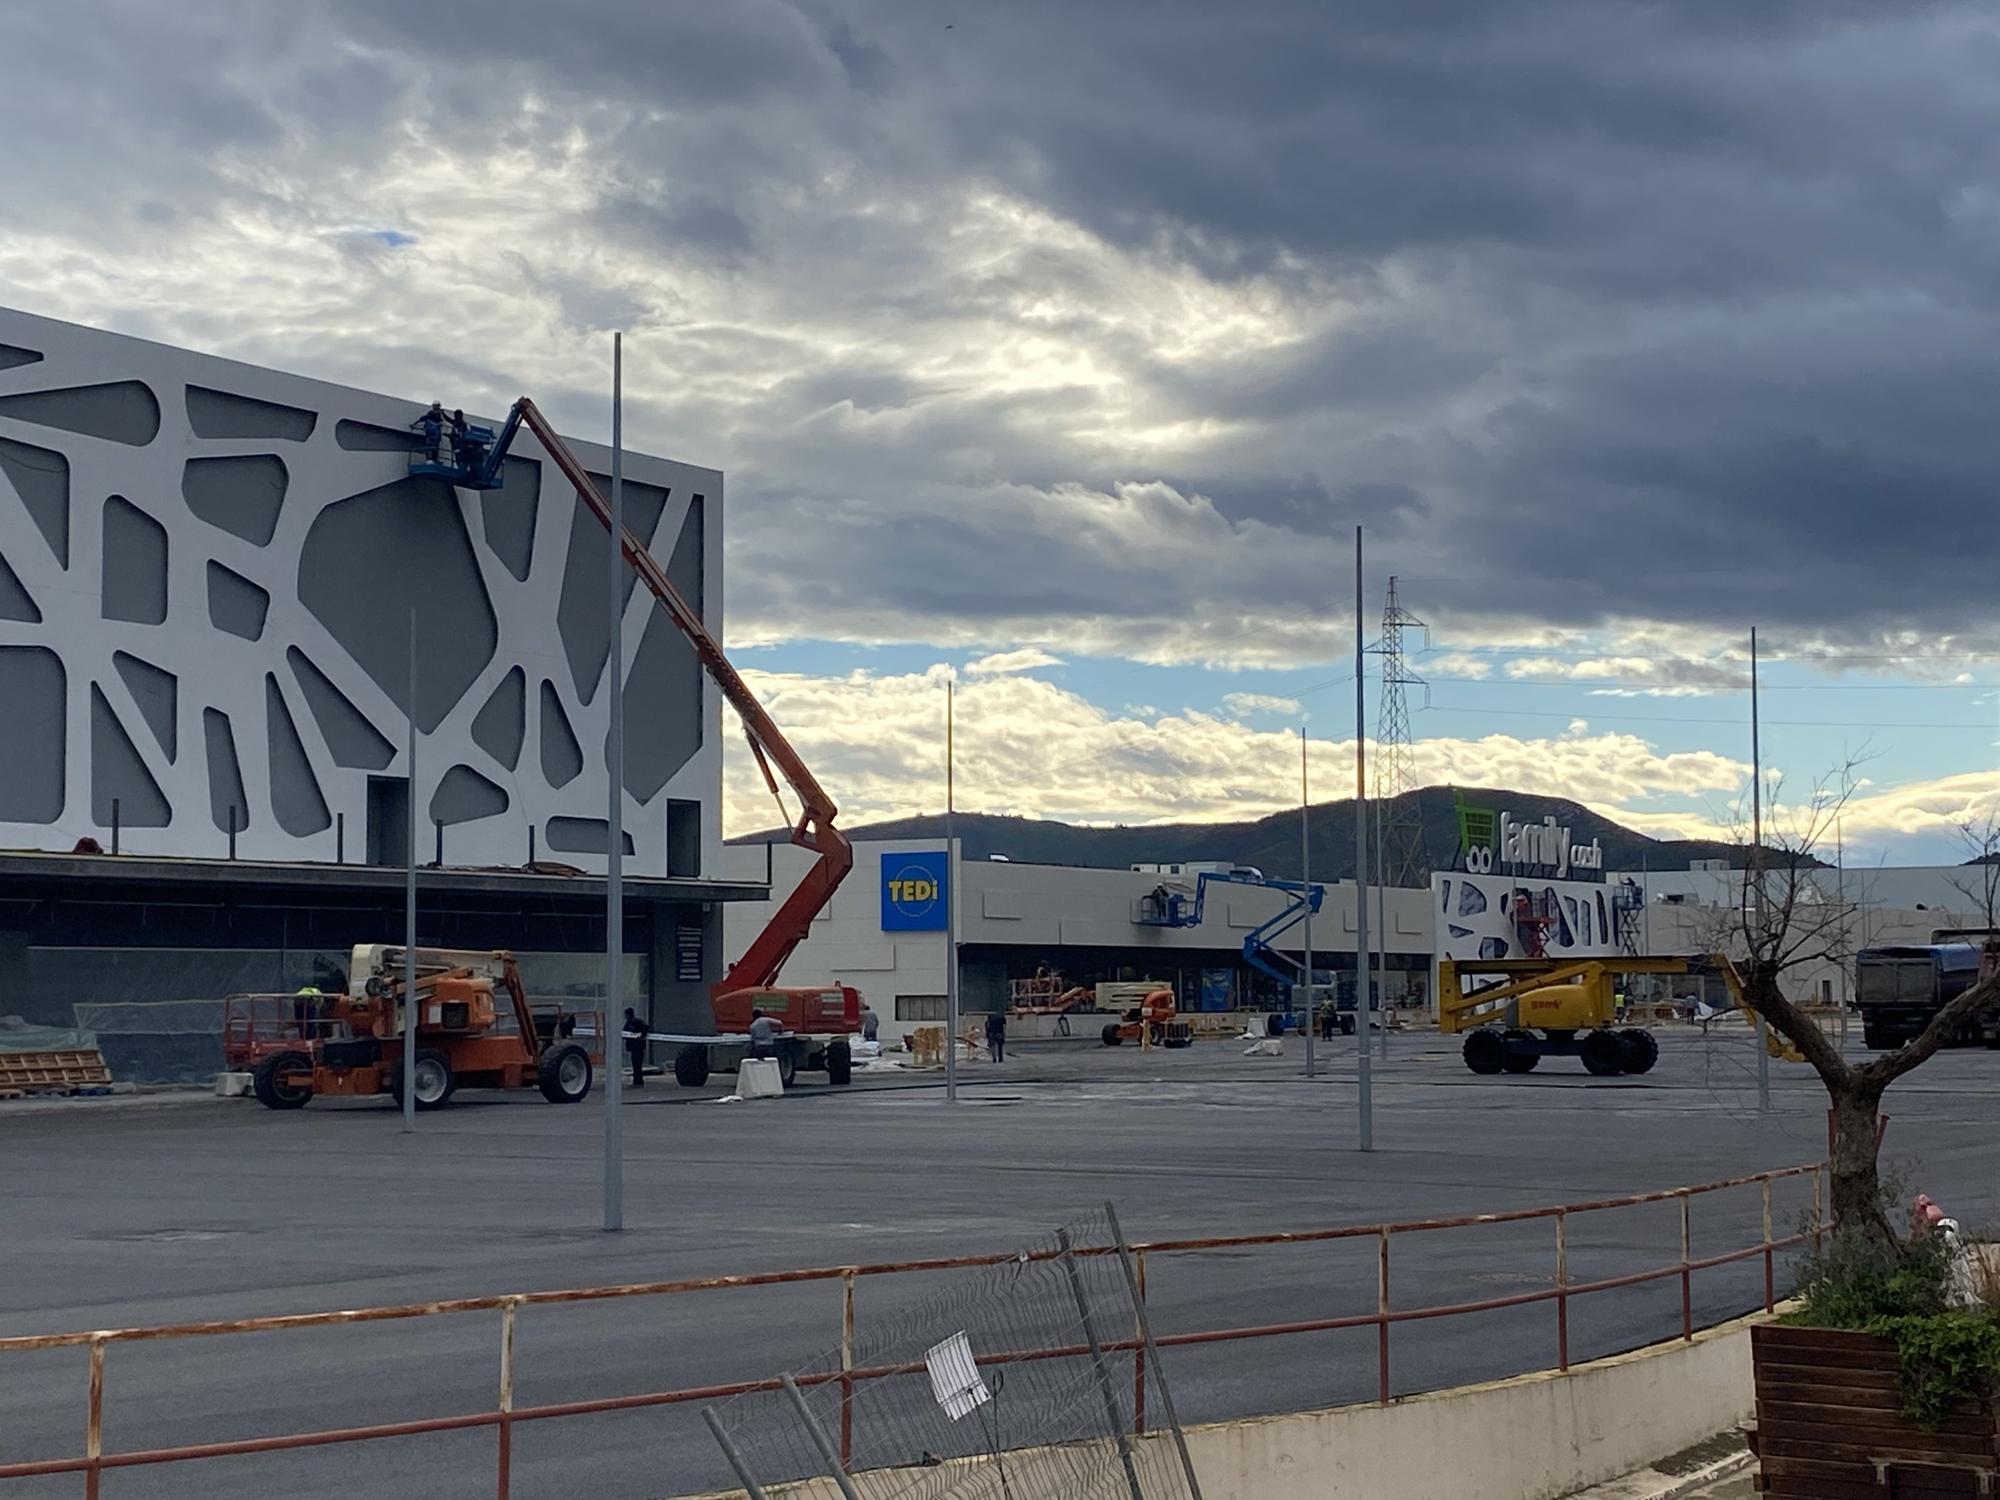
{"points": [[1150, 1023], [1533, 1008], [1899, 988], [818, 1020], [1165, 906], [350, 1045]]}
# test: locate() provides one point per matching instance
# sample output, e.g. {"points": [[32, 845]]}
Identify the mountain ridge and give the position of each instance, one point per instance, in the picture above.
{"points": [[1272, 843]]}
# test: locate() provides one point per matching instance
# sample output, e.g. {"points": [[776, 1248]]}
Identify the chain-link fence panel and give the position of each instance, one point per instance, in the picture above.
{"points": [[1013, 1382]]}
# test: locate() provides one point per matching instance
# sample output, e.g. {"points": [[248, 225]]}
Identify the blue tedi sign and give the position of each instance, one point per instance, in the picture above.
{"points": [[915, 889]]}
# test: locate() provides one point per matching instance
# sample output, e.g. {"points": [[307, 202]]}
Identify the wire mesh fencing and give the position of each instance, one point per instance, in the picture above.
{"points": [[1000, 1385]]}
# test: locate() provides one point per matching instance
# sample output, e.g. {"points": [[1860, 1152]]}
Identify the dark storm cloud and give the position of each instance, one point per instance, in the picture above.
{"points": [[1690, 306]]}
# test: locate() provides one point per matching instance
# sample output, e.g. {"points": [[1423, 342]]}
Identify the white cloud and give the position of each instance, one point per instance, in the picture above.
{"points": [[1031, 747], [1635, 676], [1247, 705], [1027, 659], [1456, 664]]}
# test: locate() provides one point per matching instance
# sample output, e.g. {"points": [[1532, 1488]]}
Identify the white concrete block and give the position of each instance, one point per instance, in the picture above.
{"points": [[757, 1078], [231, 1085]]}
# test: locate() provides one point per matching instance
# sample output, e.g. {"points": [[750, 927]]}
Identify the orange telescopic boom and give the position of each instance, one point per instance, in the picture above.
{"points": [[813, 829]]}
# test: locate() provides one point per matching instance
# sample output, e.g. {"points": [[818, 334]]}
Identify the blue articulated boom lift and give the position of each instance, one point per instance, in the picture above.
{"points": [[1168, 908]]}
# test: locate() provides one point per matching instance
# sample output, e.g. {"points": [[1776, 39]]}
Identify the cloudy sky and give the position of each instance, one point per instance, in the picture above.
{"points": [[1061, 347]]}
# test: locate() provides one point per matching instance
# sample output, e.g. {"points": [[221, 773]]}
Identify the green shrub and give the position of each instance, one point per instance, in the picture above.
{"points": [[1942, 1359], [1899, 1292]]}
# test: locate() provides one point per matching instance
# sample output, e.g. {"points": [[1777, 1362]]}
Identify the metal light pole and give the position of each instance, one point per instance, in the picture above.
{"points": [[614, 827], [950, 910], [1306, 879], [1364, 1008], [1757, 869], [1381, 926], [410, 908]]}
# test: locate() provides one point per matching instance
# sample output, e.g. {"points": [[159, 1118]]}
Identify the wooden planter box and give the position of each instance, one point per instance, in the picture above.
{"points": [[1830, 1424]]}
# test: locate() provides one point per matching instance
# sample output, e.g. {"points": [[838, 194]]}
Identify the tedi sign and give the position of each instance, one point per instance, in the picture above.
{"points": [[1545, 848]]}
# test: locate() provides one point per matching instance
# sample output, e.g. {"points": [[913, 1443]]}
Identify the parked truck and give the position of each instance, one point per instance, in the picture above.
{"points": [[1899, 988]]}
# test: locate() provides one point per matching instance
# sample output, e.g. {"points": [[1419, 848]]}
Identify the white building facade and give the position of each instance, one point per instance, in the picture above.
{"points": [[207, 578]]}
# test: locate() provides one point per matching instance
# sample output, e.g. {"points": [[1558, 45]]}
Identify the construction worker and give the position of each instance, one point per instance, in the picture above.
{"points": [[635, 1046], [763, 1035], [434, 431], [996, 1035], [871, 1024]]}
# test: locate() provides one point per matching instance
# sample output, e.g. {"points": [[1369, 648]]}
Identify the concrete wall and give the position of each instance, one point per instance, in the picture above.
{"points": [[1535, 1437], [1031, 913], [206, 570]]}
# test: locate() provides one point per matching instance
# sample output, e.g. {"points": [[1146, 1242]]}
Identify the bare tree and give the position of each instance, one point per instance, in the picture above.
{"points": [[1979, 881], [1784, 922]]}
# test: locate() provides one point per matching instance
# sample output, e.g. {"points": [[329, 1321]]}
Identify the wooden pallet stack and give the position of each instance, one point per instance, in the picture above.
{"points": [[74, 1070]]}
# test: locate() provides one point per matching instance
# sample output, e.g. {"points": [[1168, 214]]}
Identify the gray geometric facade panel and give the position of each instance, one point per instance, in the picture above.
{"points": [[135, 564], [295, 796], [507, 515], [241, 494], [157, 693], [41, 477], [581, 836], [464, 796], [226, 797], [408, 540], [235, 604], [34, 687], [661, 736], [366, 437], [222, 414], [119, 411], [502, 724], [351, 739], [299, 494], [562, 756], [117, 771], [14, 601], [582, 618]]}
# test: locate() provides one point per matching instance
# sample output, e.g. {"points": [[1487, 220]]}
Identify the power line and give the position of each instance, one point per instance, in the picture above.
{"points": [[1533, 713]]}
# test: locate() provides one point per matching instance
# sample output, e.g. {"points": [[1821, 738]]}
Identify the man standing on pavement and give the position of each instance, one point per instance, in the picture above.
{"points": [[635, 1046], [996, 1035]]}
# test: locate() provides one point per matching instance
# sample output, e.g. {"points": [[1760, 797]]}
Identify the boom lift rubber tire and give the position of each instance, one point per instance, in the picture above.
{"points": [[1485, 1050], [1641, 1048], [1603, 1053], [1347, 1025], [1110, 1035], [788, 1066], [839, 1064], [271, 1089], [1518, 1061], [563, 1074], [691, 1067], [435, 1081], [1274, 1025]]}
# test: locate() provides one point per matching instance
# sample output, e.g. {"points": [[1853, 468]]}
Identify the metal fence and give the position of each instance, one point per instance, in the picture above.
{"points": [[848, 1370]]}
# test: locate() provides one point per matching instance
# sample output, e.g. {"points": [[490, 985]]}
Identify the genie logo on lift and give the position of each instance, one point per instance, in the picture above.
{"points": [[914, 888]]}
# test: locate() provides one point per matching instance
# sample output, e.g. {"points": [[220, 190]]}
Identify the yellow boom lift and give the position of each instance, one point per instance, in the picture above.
{"points": [[1520, 1010]]}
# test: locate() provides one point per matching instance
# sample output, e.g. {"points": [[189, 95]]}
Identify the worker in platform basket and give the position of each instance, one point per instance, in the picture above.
{"points": [[763, 1035], [635, 1046]]}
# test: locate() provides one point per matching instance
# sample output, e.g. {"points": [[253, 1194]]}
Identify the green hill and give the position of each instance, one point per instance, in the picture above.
{"points": [[1272, 843]]}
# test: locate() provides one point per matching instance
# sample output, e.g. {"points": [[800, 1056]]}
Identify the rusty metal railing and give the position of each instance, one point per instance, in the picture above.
{"points": [[506, 1414]]}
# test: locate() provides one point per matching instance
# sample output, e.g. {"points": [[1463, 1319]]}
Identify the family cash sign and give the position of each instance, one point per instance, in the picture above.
{"points": [[1546, 848]]}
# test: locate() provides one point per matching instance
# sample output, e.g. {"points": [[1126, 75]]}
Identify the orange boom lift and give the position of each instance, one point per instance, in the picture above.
{"points": [[818, 1019]]}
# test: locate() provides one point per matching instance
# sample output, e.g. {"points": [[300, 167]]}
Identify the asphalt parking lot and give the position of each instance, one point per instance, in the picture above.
{"points": [[148, 1213]]}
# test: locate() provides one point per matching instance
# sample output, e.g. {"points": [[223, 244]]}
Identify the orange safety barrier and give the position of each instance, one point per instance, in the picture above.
{"points": [[505, 1415]]}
